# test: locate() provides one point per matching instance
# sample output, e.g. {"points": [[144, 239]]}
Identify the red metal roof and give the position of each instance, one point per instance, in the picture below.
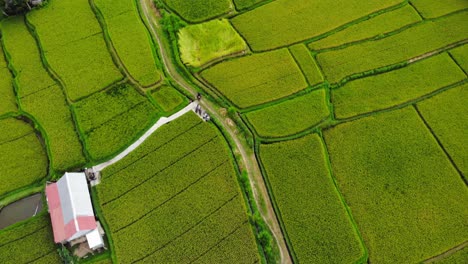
{"points": [[56, 215], [64, 231]]}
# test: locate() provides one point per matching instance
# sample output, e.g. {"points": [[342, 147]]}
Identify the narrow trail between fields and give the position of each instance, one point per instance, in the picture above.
{"points": [[162, 121], [249, 160]]}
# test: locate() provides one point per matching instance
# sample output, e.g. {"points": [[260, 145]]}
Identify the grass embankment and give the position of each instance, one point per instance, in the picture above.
{"points": [[406, 197], [202, 43]]}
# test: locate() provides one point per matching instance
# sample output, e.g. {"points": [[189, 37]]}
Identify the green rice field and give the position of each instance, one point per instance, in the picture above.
{"points": [[239, 131]]}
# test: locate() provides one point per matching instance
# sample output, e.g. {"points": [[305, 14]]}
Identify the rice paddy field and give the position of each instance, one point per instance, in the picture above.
{"points": [[185, 190], [337, 129]]}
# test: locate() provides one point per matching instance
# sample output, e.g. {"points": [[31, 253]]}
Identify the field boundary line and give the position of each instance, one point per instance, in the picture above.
{"points": [[153, 150], [113, 52], [220, 241], [161, 170], [365, 257], [190, 228], [17, 138], [402, 105], [162, 121], [25, 236], [441, 146], [446, 254]]}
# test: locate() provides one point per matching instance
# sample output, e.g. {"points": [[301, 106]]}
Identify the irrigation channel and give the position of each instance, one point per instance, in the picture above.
{"points": [[20, 210], [249, 159]]}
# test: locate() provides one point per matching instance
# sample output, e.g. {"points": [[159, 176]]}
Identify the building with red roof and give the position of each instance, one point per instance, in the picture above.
{"points": [[70, 208]]}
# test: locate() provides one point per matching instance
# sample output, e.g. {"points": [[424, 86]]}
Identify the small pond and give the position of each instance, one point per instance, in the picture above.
{"points": [[20, 210]]}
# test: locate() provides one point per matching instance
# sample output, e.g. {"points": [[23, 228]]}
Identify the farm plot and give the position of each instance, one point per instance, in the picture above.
{"points": [[130, 39], [70, 36], [408, 44], [23, 159], [460, 55], [307, 64], [168, 98], [110, 120], [202, 43], [284, 22], [290, 117], [313, 216], [7, 95], [431, 9], [395, 87], [446, 115], [200, 10], [257, 79], [40, 96], [184, 190], [244, 4], [31, 241], [407, 199], [373, 27]]}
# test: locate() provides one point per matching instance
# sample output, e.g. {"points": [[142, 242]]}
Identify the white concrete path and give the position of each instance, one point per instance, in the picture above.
{"points": [[162, 121]]}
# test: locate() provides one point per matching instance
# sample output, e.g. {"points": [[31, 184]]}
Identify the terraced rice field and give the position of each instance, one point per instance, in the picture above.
{"points": [[346, 123], [257, 79], [41, 96], [199, 10], [69, 36], [399, 171], [23, 155], [113, 119], [130, 39], [314, 217], [183, 166], [33, 236]]}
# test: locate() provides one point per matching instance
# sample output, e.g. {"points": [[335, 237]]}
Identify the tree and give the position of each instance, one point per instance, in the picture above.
{"points": [[14, 7]]}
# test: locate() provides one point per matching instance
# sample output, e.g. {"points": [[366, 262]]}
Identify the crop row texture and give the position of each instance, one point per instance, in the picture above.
{"points": [[73, 44], [257, 78]]}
